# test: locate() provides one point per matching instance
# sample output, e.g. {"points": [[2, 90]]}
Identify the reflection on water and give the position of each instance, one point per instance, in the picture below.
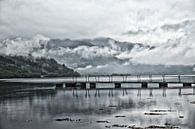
{"points": [[65, 109]]}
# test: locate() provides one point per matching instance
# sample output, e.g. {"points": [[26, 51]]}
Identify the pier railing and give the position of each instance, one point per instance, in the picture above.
{"points": [[134, 78]]}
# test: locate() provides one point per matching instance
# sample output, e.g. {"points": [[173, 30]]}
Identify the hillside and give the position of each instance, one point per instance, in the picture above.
{"points": [[19, 66]]}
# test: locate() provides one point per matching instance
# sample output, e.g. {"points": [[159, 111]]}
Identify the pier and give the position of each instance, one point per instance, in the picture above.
{"points": [[128, 81], [116, 82]]}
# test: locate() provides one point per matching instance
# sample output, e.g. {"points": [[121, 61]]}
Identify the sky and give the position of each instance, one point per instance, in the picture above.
{"points": [[144, 21], [166, 25]]}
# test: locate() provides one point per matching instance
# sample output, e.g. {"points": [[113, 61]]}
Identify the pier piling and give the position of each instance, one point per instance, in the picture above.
{"points": [[87, 94], [179, 92], [151, 92], [139, 92], [164, 92]]}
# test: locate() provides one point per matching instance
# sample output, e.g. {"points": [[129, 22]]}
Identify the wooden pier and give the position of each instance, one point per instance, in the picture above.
{"points": [[129, 81], [115, 81]]}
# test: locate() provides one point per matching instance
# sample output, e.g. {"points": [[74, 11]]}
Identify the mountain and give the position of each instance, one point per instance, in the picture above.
{"points": [[19, 66], [105, 55], [76, 54]]}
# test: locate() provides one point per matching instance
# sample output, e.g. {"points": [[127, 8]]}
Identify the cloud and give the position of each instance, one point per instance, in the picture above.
{"points": [[170, 26], [177, 26], [66, 19], [22, 47], [164, 28], [77, 19], [170, 53], [164, 32]]}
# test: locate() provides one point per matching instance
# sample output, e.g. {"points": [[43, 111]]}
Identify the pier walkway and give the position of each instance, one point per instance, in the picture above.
{"points": [[115, 81]]}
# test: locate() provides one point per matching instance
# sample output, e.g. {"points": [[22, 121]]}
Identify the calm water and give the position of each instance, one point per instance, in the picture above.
{"points": [[60, 109]]}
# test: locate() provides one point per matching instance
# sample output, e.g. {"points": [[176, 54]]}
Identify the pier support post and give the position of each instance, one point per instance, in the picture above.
{"points": [[179, 78], [125, 91], [87, 94], [110, 78], [151, 93], [139, 92], [74, 92], [150, 78], [163, 76], [179, 92], [97, 93], [164, 92], [87, 78], [138, 78], [124, 78], [110, 92]]}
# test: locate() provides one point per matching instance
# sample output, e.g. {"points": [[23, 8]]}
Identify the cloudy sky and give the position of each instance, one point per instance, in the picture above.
{"points": [[146, 21], [168, 25]]}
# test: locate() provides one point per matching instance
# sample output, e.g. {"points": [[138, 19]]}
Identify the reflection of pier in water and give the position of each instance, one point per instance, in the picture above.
{"points": [[124, 91]]}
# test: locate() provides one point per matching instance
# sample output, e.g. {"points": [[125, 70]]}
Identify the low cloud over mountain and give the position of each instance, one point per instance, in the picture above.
{"points": [[106, 55]]}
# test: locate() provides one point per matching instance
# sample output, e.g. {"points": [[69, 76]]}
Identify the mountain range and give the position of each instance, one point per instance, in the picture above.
{"points": [[104, 55]]}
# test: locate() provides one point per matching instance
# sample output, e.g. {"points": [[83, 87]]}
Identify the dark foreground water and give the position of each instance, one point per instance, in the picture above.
{"points": [[59, 109]]}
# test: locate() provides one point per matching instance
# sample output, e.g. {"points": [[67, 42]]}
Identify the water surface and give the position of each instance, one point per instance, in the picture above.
{"points": [[50, 108]]}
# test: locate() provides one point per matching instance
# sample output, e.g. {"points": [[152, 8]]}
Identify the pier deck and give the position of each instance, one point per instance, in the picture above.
{"points": [[115, 81]]}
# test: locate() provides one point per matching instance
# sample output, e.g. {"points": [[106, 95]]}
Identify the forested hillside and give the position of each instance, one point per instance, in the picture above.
{"points": [[19, 66]]}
